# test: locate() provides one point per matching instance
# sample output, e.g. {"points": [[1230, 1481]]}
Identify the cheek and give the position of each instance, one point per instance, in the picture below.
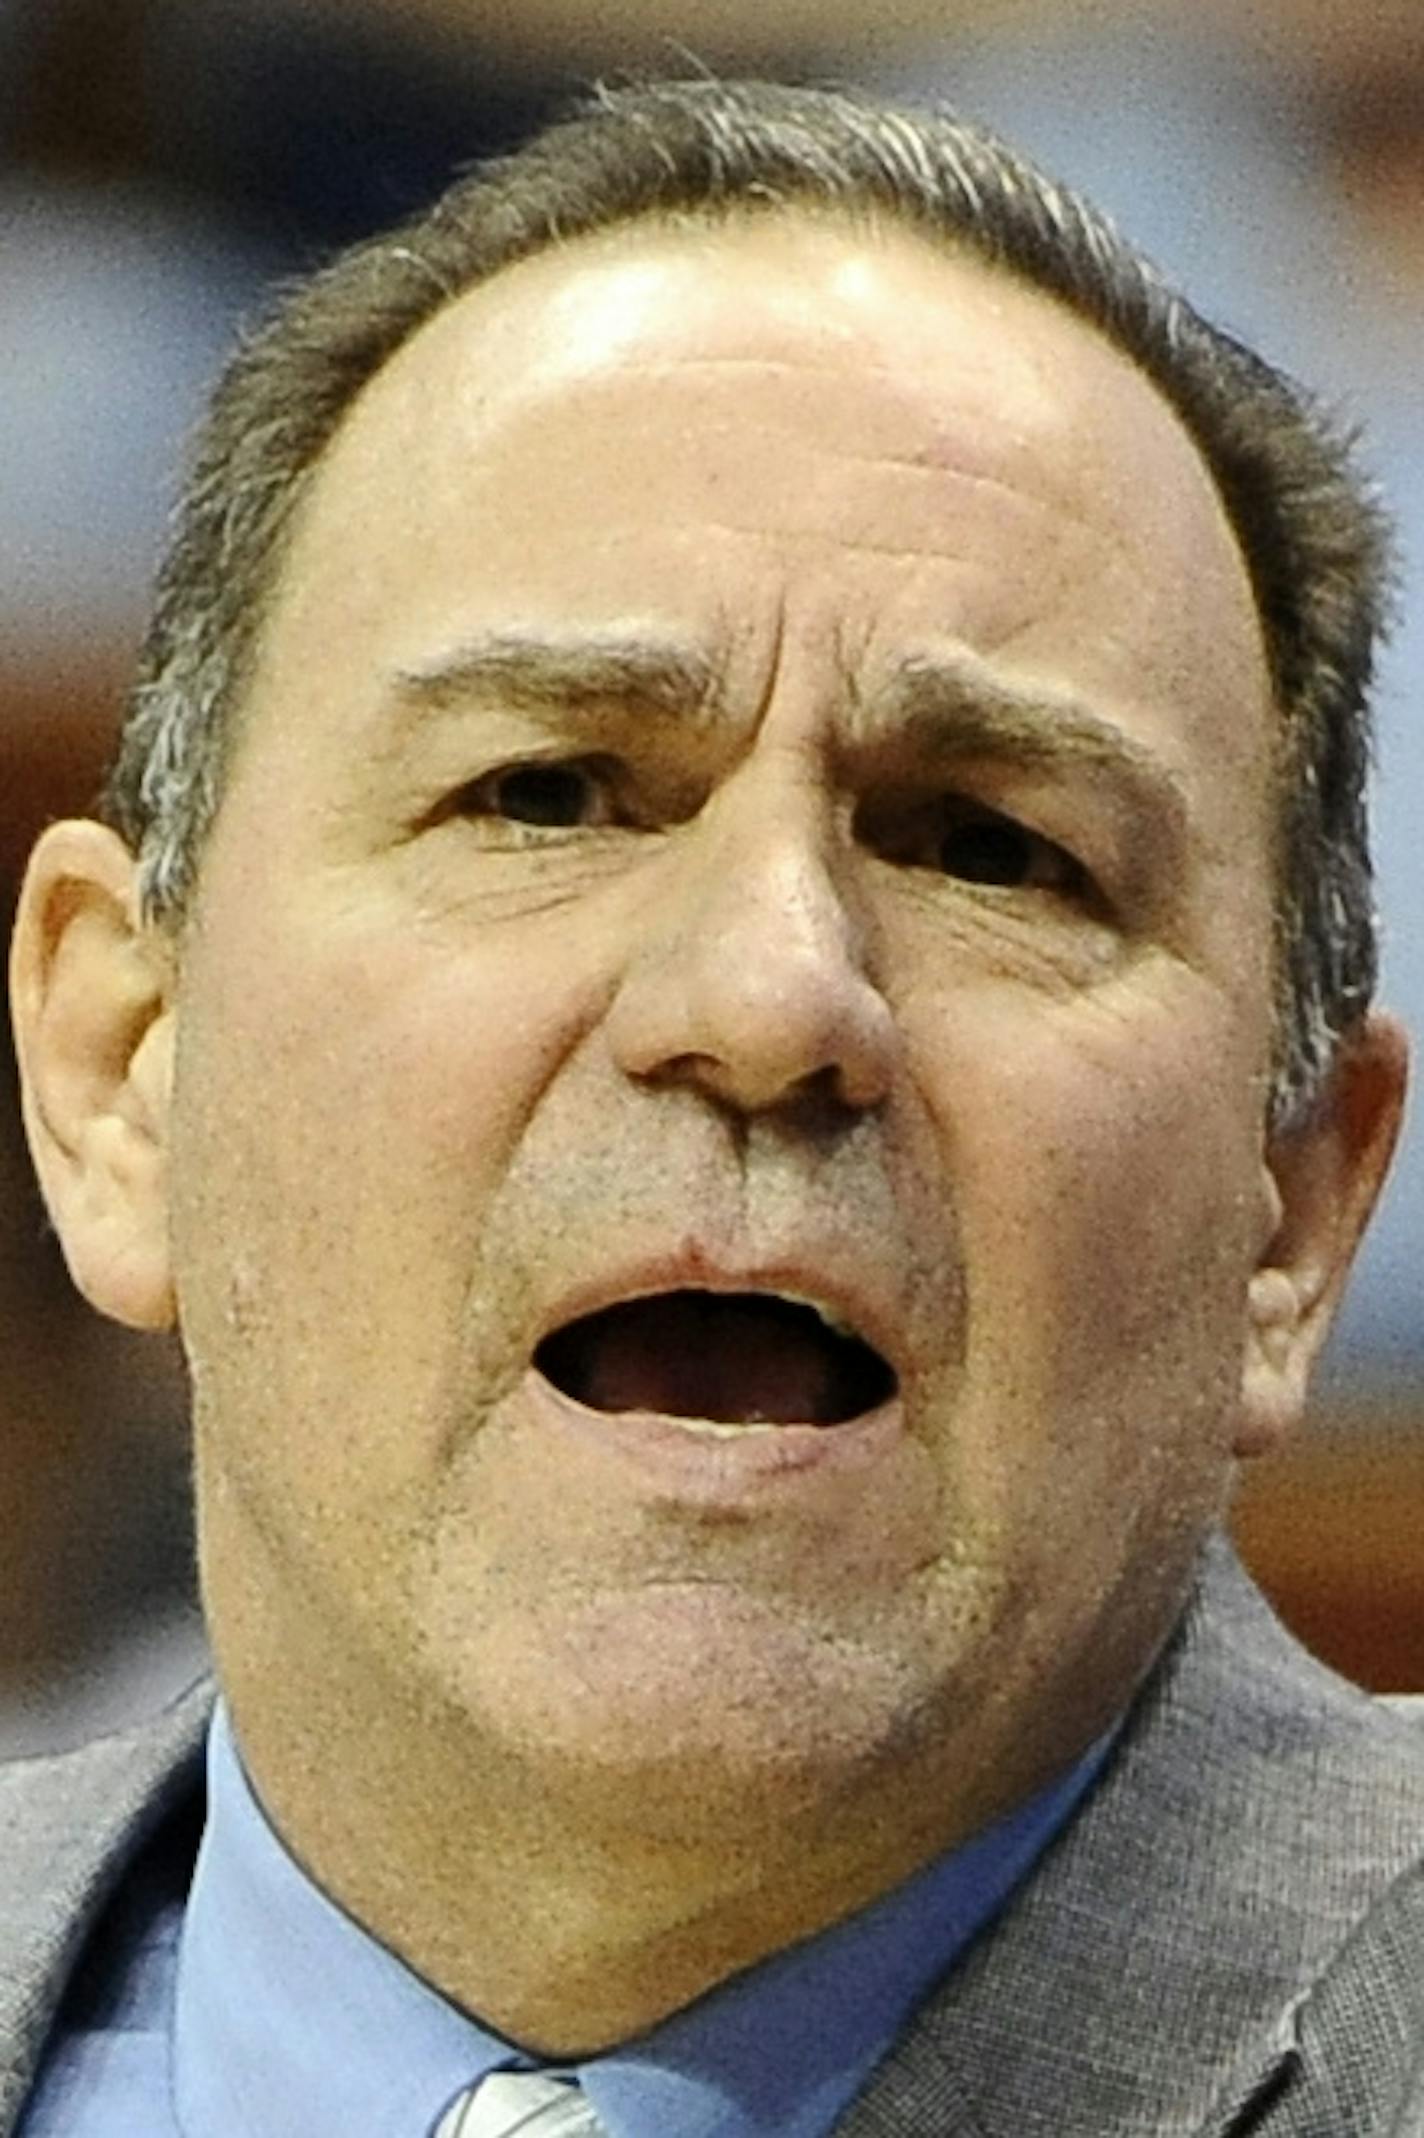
{"points": [[1106, 1154], [1103, 1172], [342, 1122], [378, 1050]]}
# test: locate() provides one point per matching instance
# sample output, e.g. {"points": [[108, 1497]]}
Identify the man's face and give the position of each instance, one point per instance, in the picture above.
{"points": [[756, 792]]}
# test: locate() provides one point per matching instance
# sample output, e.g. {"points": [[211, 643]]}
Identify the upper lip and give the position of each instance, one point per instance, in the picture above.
{"points": [[820, 1280]]}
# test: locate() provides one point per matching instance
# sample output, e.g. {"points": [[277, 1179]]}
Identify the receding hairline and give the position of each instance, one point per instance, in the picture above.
{"points": [[681, 227], [685, 229]]}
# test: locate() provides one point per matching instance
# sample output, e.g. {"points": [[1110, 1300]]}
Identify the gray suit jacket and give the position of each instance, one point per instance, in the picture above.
{"points": [[1228, 1938]]}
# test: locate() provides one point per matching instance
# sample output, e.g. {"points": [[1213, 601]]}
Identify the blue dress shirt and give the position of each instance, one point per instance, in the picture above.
{"points": [[256, 2008]]}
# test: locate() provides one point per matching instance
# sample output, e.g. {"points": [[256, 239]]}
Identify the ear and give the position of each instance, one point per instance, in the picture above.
{"points": [[1323, 1178], [91, 989]]}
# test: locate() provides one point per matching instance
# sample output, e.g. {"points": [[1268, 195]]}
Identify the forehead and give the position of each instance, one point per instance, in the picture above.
{"points": [[906, 327], [904, 437]]}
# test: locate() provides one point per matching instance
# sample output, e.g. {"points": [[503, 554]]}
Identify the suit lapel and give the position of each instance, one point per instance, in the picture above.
{"points": [[69, 1826], [1147, 1978]]}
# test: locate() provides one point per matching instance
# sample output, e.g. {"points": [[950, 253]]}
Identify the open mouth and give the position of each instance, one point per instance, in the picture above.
{"points": [[735, 1358]]}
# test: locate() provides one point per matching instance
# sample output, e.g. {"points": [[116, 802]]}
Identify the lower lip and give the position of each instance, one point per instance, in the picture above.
{"points": [[703, 1465]]}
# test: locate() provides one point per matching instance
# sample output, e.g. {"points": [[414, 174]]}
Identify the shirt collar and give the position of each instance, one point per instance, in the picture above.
{"points": [[290, 2017]]}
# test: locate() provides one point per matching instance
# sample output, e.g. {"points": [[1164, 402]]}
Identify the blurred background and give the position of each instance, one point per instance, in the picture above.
{"points": [[164, 162]]}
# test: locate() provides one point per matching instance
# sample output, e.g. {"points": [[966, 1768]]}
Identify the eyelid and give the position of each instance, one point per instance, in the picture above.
{"points": [[1078, 878], [598, 770], [645, 791], [895, 819], [911, 829]]}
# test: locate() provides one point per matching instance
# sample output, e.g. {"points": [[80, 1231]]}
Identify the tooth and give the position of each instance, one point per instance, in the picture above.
{"points": [[721, 1429], [834, 1322]]}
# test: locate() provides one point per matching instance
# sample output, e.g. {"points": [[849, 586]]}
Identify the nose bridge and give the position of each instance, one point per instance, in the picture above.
{"points": [[767, 857], [754, 976]]}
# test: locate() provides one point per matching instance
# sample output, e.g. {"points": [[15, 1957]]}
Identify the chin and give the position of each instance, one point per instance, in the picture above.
{"points": [[685, 1695]]}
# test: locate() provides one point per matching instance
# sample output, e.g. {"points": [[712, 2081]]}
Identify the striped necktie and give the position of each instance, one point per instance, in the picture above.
{"points": [[520, 2104]]}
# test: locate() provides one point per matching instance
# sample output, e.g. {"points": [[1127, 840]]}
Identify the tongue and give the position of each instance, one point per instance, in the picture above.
{"points": [[744, 1360]]}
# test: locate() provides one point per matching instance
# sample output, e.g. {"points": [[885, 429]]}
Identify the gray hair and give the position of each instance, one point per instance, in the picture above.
{"points": [[1314, 539]]}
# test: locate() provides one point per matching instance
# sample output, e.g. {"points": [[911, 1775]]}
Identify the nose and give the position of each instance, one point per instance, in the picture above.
{"points": [[750, 980]]}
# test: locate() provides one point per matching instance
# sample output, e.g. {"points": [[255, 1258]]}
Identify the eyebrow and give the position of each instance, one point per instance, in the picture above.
{"points": [[951, 707], [537, 672], [956, 707]]}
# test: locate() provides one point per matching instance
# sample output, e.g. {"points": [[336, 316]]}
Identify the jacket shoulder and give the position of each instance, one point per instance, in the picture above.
{"points": [[69, 1824], [1163, 1970]]}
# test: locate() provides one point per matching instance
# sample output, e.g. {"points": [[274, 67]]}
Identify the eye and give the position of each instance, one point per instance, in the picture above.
{"points": [[557, 796], [968, 842], [980, 846]]}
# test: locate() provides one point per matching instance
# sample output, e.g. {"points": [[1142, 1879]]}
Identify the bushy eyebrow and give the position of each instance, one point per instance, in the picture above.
{"points": [[542, 673], [956, 709]]}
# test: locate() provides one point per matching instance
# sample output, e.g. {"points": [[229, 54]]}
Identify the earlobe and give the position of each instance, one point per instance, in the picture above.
{"points": [[91, 988], [1278, 1362], [1324, 1176]]}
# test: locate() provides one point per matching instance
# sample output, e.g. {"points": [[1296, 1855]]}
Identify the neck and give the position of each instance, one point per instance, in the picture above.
{"points": [[611, 1931], [572, 1896], [545, 1911]]}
